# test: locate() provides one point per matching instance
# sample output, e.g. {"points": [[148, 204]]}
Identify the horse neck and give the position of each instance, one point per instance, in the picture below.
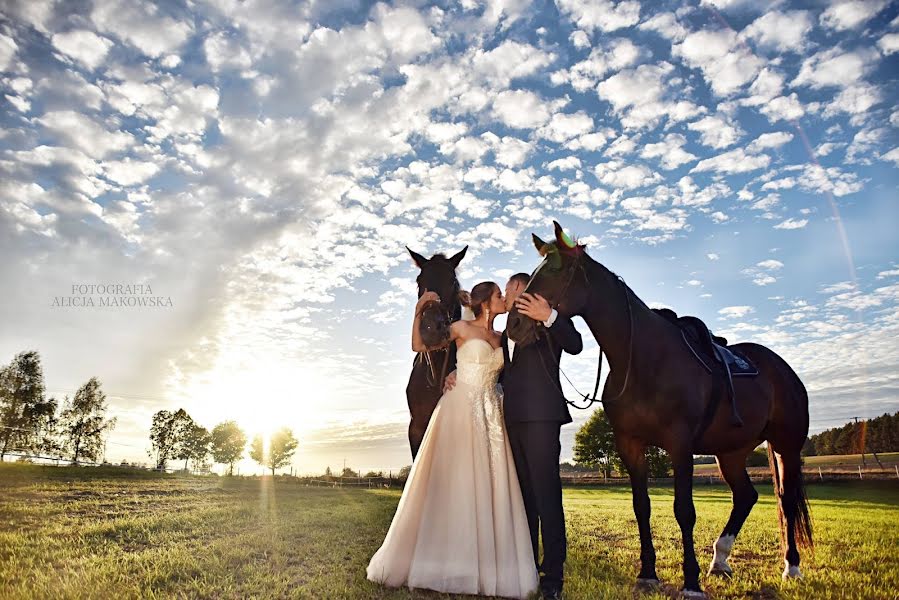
{"points": [[607, 314]]}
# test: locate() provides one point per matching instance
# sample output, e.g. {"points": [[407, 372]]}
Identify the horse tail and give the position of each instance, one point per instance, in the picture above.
{"points": [[796, 503]]}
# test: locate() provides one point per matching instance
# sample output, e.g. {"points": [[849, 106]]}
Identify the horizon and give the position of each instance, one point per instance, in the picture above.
{"points": [[253, 172]]}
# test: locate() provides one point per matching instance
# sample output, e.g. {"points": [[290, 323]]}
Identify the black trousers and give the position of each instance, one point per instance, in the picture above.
{"points": [[536, 450]]}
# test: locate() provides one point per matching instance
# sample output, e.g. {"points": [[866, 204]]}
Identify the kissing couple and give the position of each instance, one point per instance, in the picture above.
{"points": [[486, 477]]}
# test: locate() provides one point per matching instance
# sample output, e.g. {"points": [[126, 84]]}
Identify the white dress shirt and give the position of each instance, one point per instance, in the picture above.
{"points": [[547, 323]]}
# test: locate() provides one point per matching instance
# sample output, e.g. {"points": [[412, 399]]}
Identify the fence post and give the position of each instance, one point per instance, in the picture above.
{"points": [[820, 475], [859, 471]]}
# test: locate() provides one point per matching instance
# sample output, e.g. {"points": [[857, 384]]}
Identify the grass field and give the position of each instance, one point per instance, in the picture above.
{"points": [[97, 533]]}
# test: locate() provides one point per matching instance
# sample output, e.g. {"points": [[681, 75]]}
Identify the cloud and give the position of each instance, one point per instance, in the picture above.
{"points": [[736, 312], [834, 67], [521, 109], [726, 64], [604, 15], [617, 174], [666, 25], [141, 25], [769, 140], [86, 47], [784, 32], [792, 224], [670, 150], [849, 14], [889, 43], [637, 96], [715, 131], [85, 134], [734, 161]]}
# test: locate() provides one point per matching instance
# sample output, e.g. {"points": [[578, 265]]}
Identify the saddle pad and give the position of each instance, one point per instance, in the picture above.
{"points": [[739, 365]]}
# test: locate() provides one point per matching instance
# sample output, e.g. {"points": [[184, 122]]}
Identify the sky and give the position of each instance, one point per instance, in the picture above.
{"points": [[250, 172]]}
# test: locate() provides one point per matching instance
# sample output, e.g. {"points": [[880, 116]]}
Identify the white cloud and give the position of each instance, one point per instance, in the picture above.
{"points": [[784, 32], [601, 14], [849, 14], [670, 150], [617, 174], [86, 47], [783, 108], [564, 126], [636, 94], [892, 156], [712, 256], [792, 224], [889, 43], [769, 140], [8, 48], [736, 312], [734, 161], [225, 51], [716, 131], [85, 134], [726, 64], [834, 67], [666, 25], [521, 109], [129, 172], [140, 24], [565, 164], [770, 264]]}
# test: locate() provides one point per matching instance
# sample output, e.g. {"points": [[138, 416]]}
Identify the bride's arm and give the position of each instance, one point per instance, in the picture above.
{"points": [[417, 344]]}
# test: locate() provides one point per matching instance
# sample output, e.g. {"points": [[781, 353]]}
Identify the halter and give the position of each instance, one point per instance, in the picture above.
{"points": [[431, 375], [590, 400]]}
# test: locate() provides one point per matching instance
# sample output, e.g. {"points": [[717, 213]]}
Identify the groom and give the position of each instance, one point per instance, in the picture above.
{"points": [[535, 410]]}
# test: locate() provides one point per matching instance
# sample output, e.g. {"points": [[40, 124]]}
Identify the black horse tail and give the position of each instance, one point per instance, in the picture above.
{"points": [[795, 503]]}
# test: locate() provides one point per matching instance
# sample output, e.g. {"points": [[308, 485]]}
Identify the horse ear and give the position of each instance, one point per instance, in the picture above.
{"points": [[420, 260], [457, 258], [538, 243], [562, 239]]}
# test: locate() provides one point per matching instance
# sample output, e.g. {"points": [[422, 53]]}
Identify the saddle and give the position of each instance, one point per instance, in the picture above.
{"points": [[713, 354]]}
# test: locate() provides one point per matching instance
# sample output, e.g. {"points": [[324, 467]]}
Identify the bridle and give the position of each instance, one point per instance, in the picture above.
{"points": [[588, 399], [431, 374]]}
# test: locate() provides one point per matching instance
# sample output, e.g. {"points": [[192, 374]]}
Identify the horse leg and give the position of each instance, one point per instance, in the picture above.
{"points": [[633, 456], [792, 507], [685, 513], [733, 469]]}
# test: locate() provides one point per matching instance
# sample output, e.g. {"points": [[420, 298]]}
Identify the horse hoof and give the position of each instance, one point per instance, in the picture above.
{"points": [[792, 572], [721, 570], [692, 594], [647, 585]]}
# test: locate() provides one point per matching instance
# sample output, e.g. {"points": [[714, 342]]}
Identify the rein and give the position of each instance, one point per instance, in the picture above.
{"points": [[588, 399]]}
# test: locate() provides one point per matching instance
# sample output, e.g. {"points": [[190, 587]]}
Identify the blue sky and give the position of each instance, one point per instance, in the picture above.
{"points": [[263, 164]]}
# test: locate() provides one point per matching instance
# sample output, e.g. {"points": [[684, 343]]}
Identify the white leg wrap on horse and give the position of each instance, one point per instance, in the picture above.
{"points": [[723, 547], [791, 571]]}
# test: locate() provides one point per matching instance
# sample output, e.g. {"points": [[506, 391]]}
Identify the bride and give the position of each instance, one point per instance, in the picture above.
{"points": [[460, 526]]}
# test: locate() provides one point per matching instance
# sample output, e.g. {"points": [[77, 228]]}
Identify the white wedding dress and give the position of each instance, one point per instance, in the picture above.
{"points": [[460, 526]]}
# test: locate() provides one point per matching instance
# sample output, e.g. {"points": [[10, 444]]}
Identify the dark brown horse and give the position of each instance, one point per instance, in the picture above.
{"points": [[657, 394], [438, 274]]}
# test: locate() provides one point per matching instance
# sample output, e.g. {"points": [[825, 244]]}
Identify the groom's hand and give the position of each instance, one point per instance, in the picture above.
{"points": [[449, 382], [534, 306]]}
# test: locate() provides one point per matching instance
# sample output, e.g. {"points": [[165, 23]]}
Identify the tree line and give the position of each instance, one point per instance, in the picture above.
{"points": [[34, 423], [880, 434], [76, 428], [176, 436]]}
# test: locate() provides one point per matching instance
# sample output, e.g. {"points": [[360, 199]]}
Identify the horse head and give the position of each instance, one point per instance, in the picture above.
{"points": [[559, 278], [438, 274]]}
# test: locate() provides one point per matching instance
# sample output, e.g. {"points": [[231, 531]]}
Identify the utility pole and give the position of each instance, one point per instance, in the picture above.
{"points": [[863, 442]]}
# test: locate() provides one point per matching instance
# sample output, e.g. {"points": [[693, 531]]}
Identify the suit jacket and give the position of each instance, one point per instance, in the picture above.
{"points": [[532, 392]]}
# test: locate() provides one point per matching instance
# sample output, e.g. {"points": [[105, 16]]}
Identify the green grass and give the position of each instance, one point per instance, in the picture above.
{"points": [[105, 533]]}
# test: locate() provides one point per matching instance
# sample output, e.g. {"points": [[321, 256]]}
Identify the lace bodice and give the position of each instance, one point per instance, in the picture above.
{"points": [[478, 363]]}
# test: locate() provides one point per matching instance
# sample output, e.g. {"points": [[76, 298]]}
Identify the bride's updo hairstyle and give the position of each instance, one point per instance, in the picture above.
{"points": [[479, 295]]}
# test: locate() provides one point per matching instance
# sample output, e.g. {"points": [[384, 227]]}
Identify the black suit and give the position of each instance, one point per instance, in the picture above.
{"points": [[534, 410]]}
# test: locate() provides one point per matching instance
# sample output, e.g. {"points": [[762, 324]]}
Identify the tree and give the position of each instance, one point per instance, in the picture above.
{"points": [[282, 447], [657, 462], [167, 435], [257, 450], [83, 422], [196, 445], [404, 472], [348, 472], [25, 414], [594, 443], [228, 443]]}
